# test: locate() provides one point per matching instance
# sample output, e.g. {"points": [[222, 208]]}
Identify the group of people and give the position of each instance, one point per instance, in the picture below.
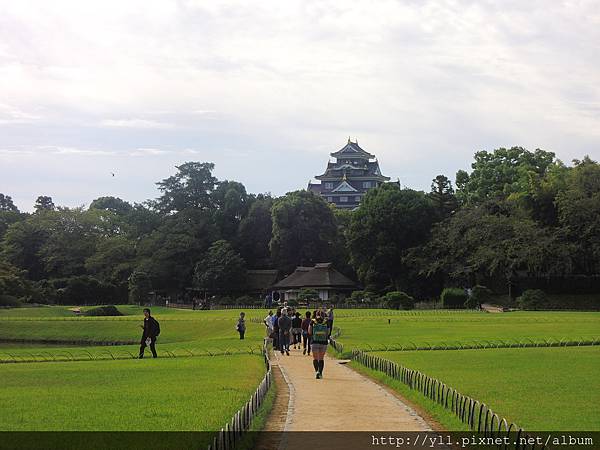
{"points": [[287, 328]]}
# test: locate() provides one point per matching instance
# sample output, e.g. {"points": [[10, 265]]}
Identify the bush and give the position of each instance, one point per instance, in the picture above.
{"points": [[453, 298], [479, 294], [107, 310], [363, 297], [9, 301], [307, 295], [247, 300], [532, 299], [399, 300]]}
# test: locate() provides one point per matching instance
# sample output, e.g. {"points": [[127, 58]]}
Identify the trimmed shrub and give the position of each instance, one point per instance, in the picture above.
{"points": [[479, 294], [107, 310], [247, 300], [532, 299], [453, 298], [307, 295], [399, 300], [363, 297]]}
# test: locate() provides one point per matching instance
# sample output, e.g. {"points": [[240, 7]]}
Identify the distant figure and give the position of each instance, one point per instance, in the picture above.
{"points": [[276, 341], [241, 325], [285, 326], [297, 330], [151, 331], [268, 321], [330, 320], [306, 339]]}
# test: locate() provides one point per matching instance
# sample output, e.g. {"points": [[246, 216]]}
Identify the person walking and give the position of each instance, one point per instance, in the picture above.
{"points": [[268, 321], [241, 325], [285, 326], [330, 320], [306, 339], [276, 342], [297, 330], [151, 331], [318, 330]]}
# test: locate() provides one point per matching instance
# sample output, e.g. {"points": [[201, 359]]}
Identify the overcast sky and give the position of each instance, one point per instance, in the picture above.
{"points": [[267, 89]]}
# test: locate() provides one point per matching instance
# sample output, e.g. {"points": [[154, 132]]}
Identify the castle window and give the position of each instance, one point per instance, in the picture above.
{"points": [[344, 199], [357, 198], [330, 199], [366, 184], [328, 185]]}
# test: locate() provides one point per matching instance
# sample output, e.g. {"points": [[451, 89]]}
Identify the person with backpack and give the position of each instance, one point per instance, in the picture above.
{"points": [[151, 331], [320, 333]]}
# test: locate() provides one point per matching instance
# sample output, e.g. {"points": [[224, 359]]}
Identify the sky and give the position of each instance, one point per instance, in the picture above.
{"points": [[267, 89]]}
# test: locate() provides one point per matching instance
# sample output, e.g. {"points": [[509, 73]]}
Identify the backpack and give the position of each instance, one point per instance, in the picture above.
{"points": [[319, 333]]}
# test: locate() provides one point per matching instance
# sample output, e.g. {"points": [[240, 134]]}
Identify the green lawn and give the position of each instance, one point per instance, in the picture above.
{"points": [[180, 394], [539, 388], [439, 328], [201, 332]]}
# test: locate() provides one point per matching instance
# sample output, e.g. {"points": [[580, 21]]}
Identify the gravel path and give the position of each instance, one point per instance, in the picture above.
{"points": [[350, 401]]}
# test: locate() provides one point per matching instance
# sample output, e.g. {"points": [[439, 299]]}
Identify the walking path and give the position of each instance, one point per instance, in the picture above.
{"points": [[349, 401]]}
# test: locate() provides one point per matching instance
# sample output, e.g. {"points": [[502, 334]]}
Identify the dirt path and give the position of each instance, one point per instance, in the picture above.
{"points": [[350, 401]]}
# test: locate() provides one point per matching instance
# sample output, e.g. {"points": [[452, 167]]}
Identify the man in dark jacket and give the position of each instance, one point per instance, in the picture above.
{"points": [[285, 326], [151, 331]]}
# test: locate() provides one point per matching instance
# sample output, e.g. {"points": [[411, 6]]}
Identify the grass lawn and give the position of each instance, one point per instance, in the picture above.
{"points": [[540, 389], [371, 330], [181, 394], [181, 330]]}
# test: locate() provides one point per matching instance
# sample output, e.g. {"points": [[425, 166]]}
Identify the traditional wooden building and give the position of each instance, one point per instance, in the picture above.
{"points": [[322, 278], [346, 180]]}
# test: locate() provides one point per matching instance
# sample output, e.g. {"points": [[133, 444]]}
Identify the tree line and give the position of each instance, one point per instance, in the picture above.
{"points": [[516, 215]]}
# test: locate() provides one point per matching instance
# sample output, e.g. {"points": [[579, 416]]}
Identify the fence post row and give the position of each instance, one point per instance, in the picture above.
{"points": [[231, 434], [464, 407]]}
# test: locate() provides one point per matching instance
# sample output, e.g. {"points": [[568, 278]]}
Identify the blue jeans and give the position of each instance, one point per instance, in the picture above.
{"points": [[284, 341]]}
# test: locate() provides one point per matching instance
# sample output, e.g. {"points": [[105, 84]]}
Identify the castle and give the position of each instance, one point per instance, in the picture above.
{"points": [[348, 179]]}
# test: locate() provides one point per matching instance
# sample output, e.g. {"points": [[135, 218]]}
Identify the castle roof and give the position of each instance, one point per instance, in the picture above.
{"points": [[352, 150]]}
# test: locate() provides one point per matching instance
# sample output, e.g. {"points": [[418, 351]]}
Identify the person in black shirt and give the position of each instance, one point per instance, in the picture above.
{"points": [[297, 330], [151, 331]]}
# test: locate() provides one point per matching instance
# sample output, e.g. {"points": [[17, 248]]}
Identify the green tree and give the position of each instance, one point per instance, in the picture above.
{"points": [[140, 286], [6, 203], [114, 204], [442, 196], [44, 203], [221, 269], [503, 172], [231, 203], [304, 231], [170, 253], [190, 187], [255, 233], [387, 224], [22, 244], [579, 213]]}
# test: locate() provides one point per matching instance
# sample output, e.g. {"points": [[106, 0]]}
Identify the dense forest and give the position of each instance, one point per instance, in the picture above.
{"points": [[517, 220]]}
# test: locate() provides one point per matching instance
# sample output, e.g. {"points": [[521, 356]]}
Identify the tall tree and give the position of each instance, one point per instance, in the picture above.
{"points": [[44, 203], [304, 231], [231, 204], [221, 269], [190, 187], [442, 196], [500, 173], [114, 204], [6, 203], [387, 224], [255, 232]]}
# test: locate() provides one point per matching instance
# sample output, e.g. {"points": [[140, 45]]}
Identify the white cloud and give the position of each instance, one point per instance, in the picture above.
{"points": [[135, 123], [422, 84]]}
